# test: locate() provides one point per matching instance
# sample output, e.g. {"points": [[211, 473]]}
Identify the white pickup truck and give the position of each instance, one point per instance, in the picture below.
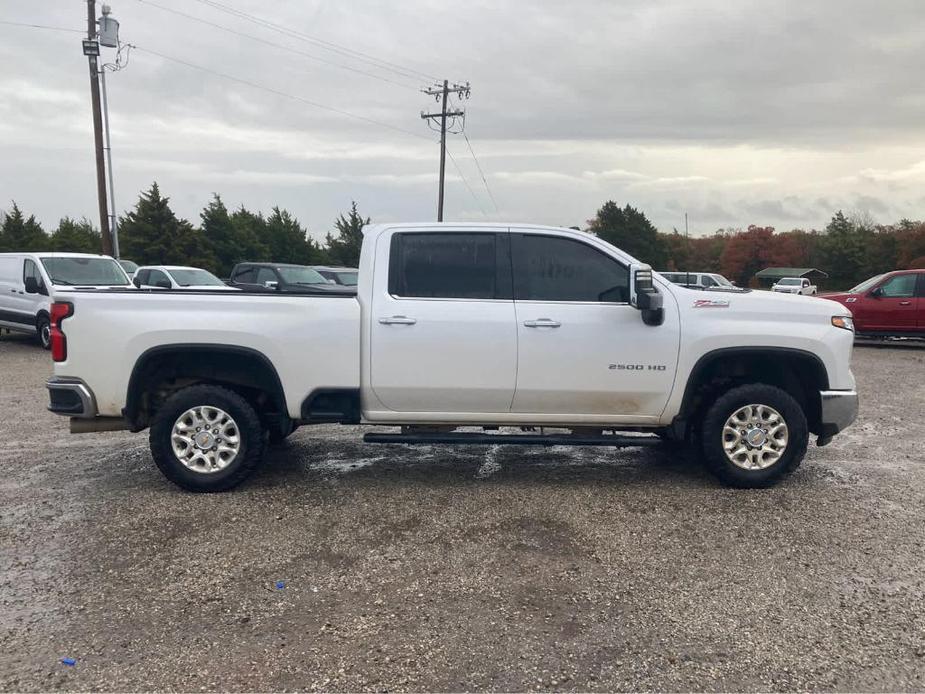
{"points": [[794, 285], [514, 333]]}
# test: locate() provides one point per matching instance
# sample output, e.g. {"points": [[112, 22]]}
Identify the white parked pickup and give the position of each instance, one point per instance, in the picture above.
{"points": [[551, 335], [794, 285]]}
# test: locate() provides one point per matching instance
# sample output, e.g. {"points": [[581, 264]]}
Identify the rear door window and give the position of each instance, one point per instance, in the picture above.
{"points": [[266, 274], [158, 276], [553, 268], [245, 275], [449, 265]]}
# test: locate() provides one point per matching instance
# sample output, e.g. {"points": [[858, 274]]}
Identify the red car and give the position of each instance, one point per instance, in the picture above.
{"points": [[888, 304]]}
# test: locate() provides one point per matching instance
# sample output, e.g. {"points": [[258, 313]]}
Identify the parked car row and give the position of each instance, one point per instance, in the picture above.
{"points": [[29, 282]]}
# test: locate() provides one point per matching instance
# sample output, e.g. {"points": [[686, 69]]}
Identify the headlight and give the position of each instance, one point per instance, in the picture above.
{"points": [[846, 322]]}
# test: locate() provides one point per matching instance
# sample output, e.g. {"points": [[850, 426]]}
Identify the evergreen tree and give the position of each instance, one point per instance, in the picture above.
{"points": [[21, 234], [250, 235], [221, 235], [152, 234], [344, 249], [844, 251], [72, 236], [629, 230], [288, 241]]}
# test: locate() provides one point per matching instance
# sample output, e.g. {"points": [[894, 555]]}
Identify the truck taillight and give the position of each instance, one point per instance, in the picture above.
{"points": [[59, 311]]}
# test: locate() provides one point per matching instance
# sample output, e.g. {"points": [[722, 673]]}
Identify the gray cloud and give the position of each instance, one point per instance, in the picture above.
{"points": [[759, 111]]}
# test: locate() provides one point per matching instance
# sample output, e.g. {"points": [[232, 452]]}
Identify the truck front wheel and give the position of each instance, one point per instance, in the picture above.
{"points": [[754, 435], [207, 439]]}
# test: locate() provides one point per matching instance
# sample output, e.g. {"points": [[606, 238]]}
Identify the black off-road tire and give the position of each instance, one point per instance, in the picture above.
{"points": [[711, 435], [250, 431], [43, 331]]}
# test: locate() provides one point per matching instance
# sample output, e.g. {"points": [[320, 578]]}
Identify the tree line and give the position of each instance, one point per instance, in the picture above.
{"points": [[152, 234], [849, 248]]}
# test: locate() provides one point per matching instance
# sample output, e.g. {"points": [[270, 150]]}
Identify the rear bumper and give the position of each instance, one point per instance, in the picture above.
{"points": [[71, 397], [839, 408]]}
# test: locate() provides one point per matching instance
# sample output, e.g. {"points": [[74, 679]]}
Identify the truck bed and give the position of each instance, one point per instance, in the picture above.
{"points": [[110, 330]]}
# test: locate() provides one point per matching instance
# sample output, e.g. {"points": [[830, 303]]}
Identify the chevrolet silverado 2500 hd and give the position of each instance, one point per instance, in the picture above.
{"points": [[508, 328]]}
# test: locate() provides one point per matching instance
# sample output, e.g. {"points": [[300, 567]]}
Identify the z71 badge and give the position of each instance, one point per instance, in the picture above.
{"points": [[711, 303]]}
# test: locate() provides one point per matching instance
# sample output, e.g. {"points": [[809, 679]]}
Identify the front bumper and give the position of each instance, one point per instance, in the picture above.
{"points": [[839, 408], [71, 397]]}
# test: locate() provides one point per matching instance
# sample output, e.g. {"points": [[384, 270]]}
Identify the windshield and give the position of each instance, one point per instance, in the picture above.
{"points": [[301, 275], [865, 285], [196, 277], [128, 266], [348, 278], [790, 281], [85, 271]]}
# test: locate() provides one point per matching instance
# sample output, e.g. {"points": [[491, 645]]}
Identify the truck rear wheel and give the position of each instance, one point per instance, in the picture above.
{"points": [[754, 435], [207, 439]]}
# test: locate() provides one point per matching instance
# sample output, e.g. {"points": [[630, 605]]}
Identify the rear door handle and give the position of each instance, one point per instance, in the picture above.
{"points": [[905, 303], [542, 323], [398, 320]]}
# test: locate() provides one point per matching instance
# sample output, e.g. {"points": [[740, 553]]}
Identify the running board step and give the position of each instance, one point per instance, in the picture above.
{"points": [[513, 439]]}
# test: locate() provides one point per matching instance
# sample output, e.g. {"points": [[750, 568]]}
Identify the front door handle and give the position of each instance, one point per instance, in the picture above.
{"points": [[542, 323], [905, 303], [398, 320]]}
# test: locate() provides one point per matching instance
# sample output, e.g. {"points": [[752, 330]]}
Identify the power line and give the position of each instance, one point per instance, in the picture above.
{"points": [[280, 46], [468, 187], [40, 26], [406, 72], [481, 173], [278, 92]]}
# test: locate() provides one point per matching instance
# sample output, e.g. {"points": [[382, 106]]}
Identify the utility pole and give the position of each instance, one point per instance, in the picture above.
{"points": [[441, 92], [92, 50]]}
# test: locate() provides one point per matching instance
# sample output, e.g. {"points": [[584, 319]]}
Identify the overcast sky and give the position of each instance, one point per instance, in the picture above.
{"points": [[737, 112]]}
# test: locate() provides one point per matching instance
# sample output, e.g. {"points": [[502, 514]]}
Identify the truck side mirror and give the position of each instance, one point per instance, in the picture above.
{"points": [[162, 284], [644, 295], [32, 286], [876, 292], [136, 282], [271, 284]]}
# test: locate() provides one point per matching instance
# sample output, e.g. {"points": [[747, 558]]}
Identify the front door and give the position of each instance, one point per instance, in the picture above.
{"points": [[442, 332], [583, 350], [894, 310]]}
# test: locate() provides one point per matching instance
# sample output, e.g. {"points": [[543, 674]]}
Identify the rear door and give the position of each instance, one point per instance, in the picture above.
{"points": [[582, 349], [442, 332], [894, 310]]}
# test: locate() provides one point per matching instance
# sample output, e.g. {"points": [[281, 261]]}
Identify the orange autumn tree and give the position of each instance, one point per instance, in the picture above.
{"points": [[754, 249]]}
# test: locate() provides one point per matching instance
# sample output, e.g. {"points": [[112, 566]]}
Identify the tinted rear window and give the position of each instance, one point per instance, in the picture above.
{"points": [[446, 265]]}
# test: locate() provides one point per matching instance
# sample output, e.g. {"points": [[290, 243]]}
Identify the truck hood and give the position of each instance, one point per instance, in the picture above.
{"points": [[758, 302]]}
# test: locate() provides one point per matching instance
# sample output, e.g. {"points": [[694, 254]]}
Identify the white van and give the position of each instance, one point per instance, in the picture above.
{"points": [[30, 281]]}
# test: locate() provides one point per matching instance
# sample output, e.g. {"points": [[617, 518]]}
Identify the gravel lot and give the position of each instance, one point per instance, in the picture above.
{"points": [[447, 568]]}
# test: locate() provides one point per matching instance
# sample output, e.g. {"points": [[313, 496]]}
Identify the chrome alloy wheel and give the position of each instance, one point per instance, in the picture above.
{"points": [[205, 439], [755, 437], [45, 335]]}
